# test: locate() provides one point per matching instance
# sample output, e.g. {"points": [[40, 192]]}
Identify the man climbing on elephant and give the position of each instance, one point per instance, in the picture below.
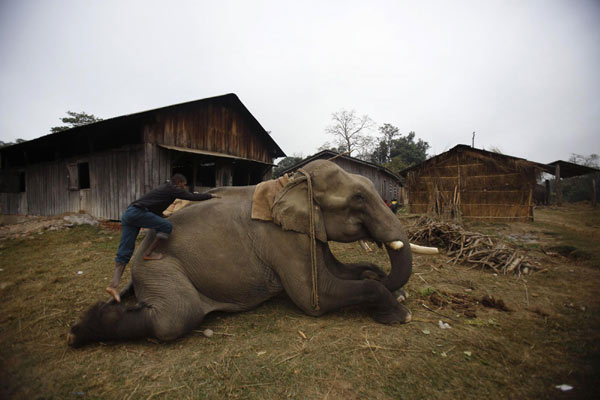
{"points": [[147, 212]]}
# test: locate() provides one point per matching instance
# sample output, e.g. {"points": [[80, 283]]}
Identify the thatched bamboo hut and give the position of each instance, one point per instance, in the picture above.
{"points": [[465, 182]]}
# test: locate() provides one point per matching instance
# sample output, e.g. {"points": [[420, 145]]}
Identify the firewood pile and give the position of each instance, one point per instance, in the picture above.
{"points": [[469, 248]]}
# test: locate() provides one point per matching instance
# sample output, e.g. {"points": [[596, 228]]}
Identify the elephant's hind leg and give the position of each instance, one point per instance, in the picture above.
{"points": [[175, 306]]}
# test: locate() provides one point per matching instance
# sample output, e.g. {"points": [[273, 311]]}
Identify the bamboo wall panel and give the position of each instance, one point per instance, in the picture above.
{"points": [[472, 186]]}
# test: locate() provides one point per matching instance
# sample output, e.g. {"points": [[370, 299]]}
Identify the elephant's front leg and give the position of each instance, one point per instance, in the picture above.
{"points": [[333, 292], [351, 271]]}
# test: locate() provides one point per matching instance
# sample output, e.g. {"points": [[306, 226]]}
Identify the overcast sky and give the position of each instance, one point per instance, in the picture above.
{"points": [[523, 74]]}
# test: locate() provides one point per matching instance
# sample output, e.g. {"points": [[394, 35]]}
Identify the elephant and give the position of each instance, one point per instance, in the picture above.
{"points": [[254, 242]]}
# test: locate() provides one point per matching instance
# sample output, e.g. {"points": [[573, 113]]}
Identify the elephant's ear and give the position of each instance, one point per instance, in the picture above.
{"points": [[291, 210]]}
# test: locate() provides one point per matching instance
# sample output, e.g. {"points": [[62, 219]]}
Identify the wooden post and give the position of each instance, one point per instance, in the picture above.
{"points": [[558, 186], [530, 204], [594, 190]]}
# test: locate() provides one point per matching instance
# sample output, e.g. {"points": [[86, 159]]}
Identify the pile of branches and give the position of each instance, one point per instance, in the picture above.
{"points": [[470, 248]]}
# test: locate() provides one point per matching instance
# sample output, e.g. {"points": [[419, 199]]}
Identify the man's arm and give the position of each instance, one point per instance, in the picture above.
{"points": [[185, 195]]}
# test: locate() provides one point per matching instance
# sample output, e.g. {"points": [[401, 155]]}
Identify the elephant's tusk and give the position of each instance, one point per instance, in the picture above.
{"points": [[395, 245], [365, 246], [423, 250]]}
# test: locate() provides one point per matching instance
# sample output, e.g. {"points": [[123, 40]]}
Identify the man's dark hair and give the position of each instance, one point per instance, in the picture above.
{"points": [[178, 178]]}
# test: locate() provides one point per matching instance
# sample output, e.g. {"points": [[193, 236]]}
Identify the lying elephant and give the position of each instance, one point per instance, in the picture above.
{"points": [[233, 253]]}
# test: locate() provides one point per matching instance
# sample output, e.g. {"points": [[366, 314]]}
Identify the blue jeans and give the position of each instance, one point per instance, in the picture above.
{"points": [[132, 220]]}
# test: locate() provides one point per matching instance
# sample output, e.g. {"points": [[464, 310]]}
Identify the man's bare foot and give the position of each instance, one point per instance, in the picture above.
{"points": [[153, 256], [114, 293]]}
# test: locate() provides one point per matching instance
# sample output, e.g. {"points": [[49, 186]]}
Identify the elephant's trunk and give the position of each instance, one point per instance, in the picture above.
{"points": [[401, 261]]}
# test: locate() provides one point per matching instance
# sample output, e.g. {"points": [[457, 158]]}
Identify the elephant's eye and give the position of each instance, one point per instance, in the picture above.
{"points": [[358, 198]]}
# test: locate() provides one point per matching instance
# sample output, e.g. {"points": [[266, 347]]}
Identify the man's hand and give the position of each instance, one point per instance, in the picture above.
{"points": [[214, 196]]}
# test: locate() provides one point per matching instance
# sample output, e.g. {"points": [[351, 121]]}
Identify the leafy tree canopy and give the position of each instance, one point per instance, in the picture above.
{"points": [[75, 119], [285, 164], [407, 151], [396, 151], [5, 144]]}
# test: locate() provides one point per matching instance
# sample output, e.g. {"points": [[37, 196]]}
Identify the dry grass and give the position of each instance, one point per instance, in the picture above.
{"points": [[550, 337]]}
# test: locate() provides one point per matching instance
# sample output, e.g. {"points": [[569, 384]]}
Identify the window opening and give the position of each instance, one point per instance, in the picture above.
{"points": [[83, 174]]}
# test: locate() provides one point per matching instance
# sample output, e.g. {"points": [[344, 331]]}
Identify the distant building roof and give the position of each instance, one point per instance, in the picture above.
{"points": [[101, 130], [463, 147], [329, 154], [569, 169]]}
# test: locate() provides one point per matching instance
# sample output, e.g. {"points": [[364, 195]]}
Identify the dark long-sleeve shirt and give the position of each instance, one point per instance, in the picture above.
{"points": [[159, 199]]}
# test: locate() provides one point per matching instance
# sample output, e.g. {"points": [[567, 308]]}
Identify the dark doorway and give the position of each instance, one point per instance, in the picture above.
{"points": [[241, 174], [205, 174]]}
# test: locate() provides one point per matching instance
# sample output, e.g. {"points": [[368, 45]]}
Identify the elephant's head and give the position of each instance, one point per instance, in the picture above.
{"points": [[346, 208]]}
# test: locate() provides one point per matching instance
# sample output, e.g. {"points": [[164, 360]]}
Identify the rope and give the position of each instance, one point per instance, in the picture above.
{"points": [[347, 153], [313, 241]]}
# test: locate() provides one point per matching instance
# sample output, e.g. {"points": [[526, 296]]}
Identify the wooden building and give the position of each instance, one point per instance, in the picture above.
{"points": [[387, 183], [102, 167], [465, 182]]}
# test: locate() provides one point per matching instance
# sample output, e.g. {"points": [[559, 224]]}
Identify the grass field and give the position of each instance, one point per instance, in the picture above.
{"points": [[549, 336]]}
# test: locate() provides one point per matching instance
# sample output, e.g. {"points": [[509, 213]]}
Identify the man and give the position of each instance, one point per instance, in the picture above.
{"points": [[394, 206], [146, 212]]}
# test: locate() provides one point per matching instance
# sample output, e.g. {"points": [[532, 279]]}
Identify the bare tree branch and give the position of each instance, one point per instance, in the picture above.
{"points": [[349, 130]]}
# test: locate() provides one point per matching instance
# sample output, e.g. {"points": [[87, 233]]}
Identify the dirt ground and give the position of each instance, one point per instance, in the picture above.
{"points": [[503, 336]]}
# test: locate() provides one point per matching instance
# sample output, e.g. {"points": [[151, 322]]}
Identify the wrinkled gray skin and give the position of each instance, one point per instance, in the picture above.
{"points": [[219, 259]]}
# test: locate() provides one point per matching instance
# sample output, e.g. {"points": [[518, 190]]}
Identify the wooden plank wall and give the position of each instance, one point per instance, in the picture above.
{"points": [[117, 177], [157, 166], [47, 189], [385, 185], [13, 203], [211, 127]]}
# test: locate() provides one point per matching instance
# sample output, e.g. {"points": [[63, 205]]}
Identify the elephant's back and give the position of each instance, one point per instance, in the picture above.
{"points": [[233, 202]]}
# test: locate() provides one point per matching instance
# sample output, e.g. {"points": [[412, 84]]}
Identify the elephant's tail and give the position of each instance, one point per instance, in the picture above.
{"points": [[111, 321]]}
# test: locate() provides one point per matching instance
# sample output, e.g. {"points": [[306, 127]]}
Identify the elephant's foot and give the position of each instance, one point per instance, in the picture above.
{"points": [[153, 256], [114, 293], [398, 314]]}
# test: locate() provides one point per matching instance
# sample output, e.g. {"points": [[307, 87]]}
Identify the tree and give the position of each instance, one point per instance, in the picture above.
{"points": [[406, 152], [381, 153], [329, 146], [75, 119], [592, 161], [6, 144], [285, 164], [350, 131]]}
